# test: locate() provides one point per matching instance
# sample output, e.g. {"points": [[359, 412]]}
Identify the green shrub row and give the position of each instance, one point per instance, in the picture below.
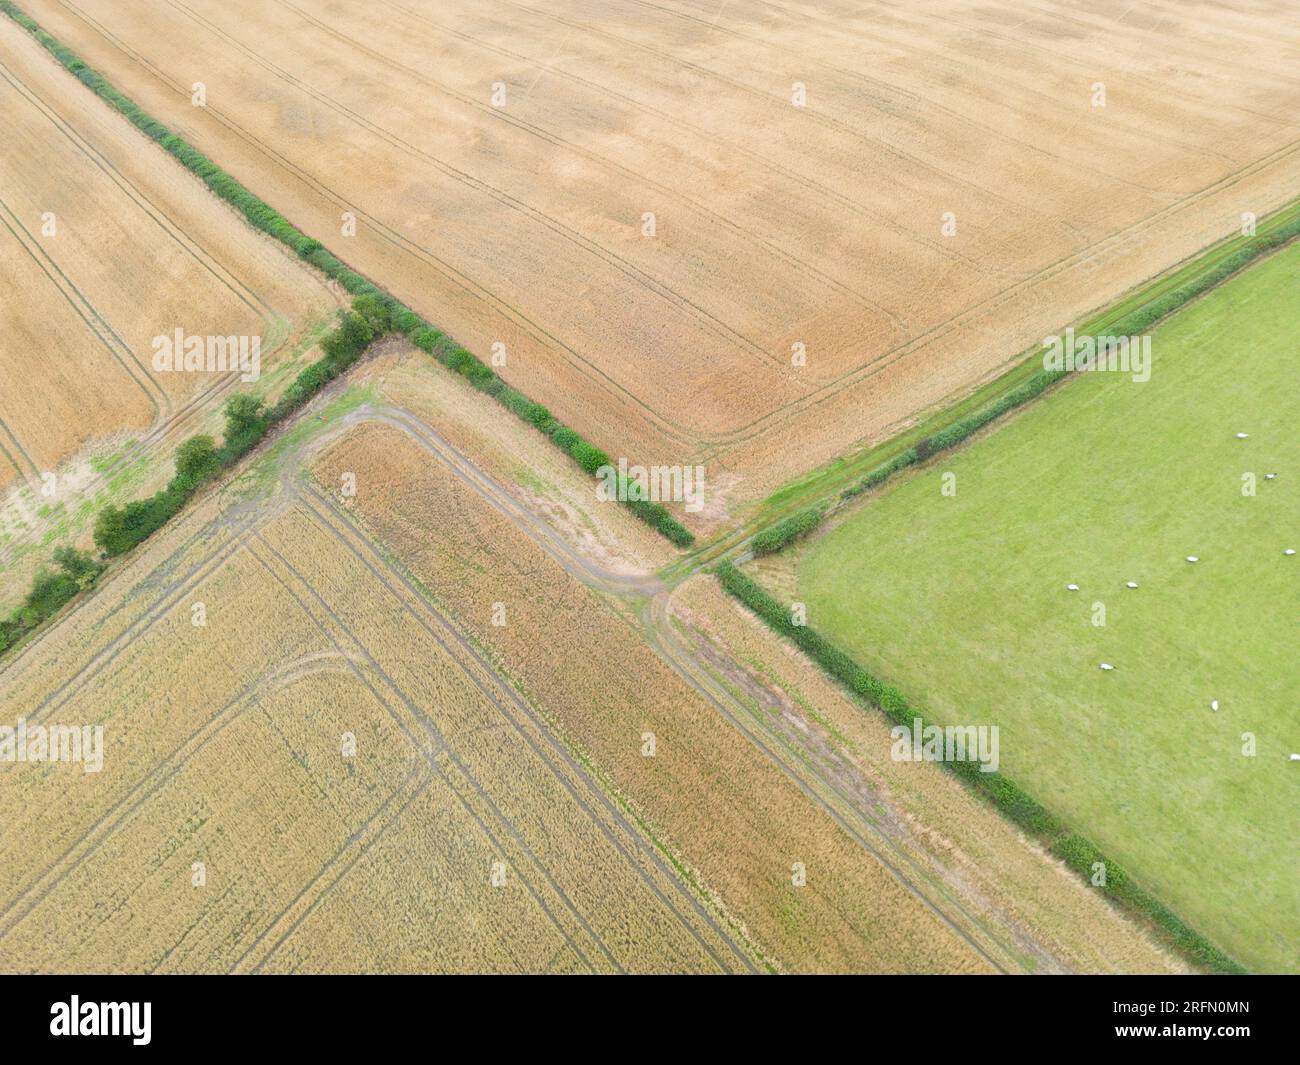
{"points": [[960, 430], [1080, 855], [198, 459], [775, 537], [50, 590], [119, 529], [657, 517], [400, 318], [1076, 851], [1134, 323], [585, 454]]}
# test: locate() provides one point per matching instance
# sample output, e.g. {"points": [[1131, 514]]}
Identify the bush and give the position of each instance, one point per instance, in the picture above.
{"points": [[783, 532], [49, 591], [246, 424], [83, 569], [196, 460], [588, 456], [118, 529], [375, 311]]}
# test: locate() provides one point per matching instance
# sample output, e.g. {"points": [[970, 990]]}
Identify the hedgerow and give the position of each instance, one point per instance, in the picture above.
{"points": [[265, 218], [777, 536], [1133, 323], [1014, 803], [50, 590]]}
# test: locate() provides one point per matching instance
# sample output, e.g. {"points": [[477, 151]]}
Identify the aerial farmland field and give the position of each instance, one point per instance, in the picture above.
{"points": [[105, 249], [963, 599], [911, 193], [234, 823], [648, 487]]}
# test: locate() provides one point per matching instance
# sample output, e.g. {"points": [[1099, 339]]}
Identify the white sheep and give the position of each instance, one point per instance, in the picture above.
{"points": [[1214, 704], [1072, 587], [1107, 666], [1192, 558], [1289, 551], [1242, 436], [1132, 584]]}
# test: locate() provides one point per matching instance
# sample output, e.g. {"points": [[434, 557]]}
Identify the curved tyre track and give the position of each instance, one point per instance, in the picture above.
{"points": [[438, 755], [822, 792], [504, 696]]}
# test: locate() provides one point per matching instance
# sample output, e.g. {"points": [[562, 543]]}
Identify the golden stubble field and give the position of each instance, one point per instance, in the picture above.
{"points": [[520, 743], [229, 828], [106, 243], [743, 831], [914, 192]]}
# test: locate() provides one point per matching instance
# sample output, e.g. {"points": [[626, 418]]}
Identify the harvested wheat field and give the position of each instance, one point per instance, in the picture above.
{"points": [[105, 244], [914, 193], [740, 829], [230, 830]]}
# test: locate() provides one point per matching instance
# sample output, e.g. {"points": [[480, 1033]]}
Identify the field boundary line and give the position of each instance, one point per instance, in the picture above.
{"points": [[263, 217], [819, 791], [616, 807], [1078, 852], [826, 488], [125, 528], [1026, 813], [770, 420], [443, 752]]}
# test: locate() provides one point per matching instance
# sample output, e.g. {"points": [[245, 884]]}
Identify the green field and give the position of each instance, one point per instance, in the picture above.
{"points": [[961, 601]]}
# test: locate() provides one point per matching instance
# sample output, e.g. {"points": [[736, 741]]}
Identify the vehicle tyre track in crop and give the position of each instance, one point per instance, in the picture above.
{"points": [[554, 139], [121, 812], [501, 691], [441, 751], [680, 302], [103, 658], [358, 842], [681, 660]]}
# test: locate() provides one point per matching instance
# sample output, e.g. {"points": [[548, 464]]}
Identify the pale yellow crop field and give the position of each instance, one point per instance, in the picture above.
{"points": [[714, 800], [650, 204], [457, 836], [105, 244]]}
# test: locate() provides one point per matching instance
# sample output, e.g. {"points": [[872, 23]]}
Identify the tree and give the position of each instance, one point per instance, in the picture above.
{"points": [[246, 422], [243, 412], [77, 565], [376, 312], [110, 531], [196, 459]]}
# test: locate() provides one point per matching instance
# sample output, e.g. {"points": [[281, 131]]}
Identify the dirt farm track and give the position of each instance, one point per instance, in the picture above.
{"points": [[652, 205]]}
